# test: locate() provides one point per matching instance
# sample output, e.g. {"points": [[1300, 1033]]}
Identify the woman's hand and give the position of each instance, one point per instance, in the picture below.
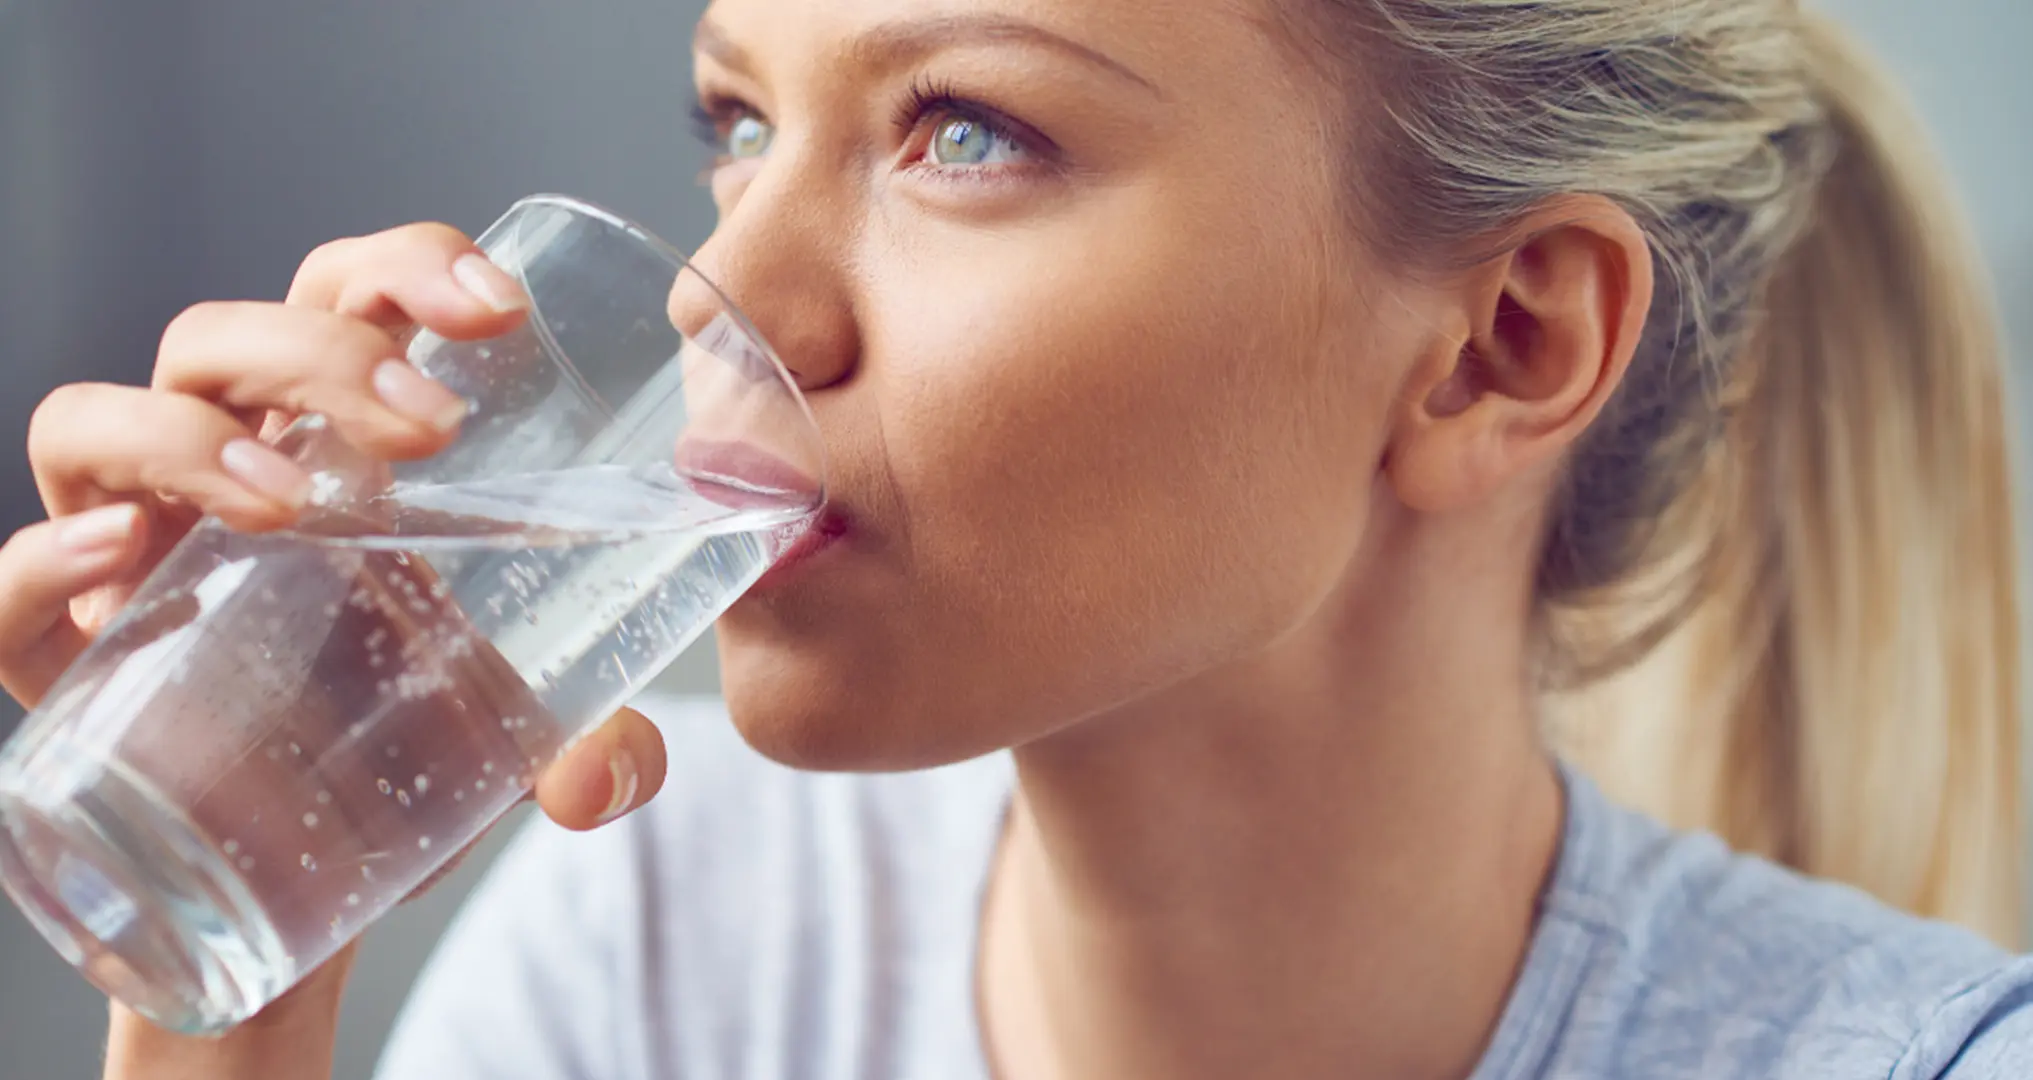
{"points": [[125, 472]]}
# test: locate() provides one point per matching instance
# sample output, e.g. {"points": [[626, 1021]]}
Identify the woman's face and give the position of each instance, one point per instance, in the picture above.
{"points": [[1104, 380]]}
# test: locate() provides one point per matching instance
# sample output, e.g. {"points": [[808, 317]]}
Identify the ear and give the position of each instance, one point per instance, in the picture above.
{"points": [[1542, 334]]}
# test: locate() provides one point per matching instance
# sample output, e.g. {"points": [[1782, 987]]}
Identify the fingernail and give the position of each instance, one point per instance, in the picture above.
{"points": [[267, 472], [489, 284], [626, 780], [96, 532], [413, 394]]}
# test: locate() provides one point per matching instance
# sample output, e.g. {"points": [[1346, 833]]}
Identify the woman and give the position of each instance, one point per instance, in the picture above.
{"points": [[1263, 420]]}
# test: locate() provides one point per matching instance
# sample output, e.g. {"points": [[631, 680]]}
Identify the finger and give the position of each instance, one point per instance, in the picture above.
{"points": [[262, 358], [427, 274], [610, 772], [94, 443], [41, 568]]}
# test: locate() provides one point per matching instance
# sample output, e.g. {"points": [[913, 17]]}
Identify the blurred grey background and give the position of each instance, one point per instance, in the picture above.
{"points": [[156, 154]]}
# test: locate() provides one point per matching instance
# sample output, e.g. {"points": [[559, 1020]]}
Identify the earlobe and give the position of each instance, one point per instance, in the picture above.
{"points": [[1551, 325]]}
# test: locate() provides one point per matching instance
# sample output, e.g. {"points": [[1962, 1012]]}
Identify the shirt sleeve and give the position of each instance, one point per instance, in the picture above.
{"points": [[1983, 1033], [533, 976]]}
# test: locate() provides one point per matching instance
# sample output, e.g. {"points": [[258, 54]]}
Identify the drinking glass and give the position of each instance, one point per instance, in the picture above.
{"points": [[282, 735]]}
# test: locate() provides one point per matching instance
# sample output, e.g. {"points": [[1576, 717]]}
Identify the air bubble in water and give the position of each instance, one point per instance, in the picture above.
{"points": [[308, 862], [246, 862], [324, 798], [331, 611], [296, 750], [479, 785], [392, 751], [488, 768], [384, 786], [367, 873], [402, 797], [422, 784], [458, 796], [352, 899], [310, 821], [230, 847], [521, 722], [375, 660], [506, 723], [423, 843]]}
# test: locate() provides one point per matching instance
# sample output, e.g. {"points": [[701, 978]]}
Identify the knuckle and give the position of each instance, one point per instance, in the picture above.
{"points": [[55, 415], [194, 330], [15, 548], [324, 260], [192, 325], [434, 237]]}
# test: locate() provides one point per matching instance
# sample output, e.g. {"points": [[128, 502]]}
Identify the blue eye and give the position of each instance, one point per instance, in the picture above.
{"points": [[749, 136], [965, 140]]}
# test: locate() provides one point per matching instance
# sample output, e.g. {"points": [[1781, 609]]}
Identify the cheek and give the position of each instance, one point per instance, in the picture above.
{"points": [[1127, 459]]}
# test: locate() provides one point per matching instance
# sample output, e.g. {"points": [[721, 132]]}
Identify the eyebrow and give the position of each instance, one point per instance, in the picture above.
{"points": [[899, 42]]}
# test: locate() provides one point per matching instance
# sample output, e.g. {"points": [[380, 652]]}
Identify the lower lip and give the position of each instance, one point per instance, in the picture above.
{"points": [[823, 535]]}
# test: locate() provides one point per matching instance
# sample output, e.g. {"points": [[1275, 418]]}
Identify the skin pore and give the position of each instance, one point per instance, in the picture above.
{"points": [[1149, 470]]}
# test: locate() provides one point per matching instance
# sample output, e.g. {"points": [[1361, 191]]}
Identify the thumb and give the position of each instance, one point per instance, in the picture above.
{"points": [[608, 773]]}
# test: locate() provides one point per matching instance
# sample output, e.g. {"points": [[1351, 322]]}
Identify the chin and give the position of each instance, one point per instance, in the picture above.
{"points": [[821, 714]]}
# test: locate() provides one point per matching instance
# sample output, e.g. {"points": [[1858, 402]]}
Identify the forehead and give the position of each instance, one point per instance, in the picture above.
{"points": [[1174, 39]]}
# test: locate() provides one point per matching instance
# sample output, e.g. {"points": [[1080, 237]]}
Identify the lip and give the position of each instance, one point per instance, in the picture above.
{"points": [[823, 534], [744, 475]]}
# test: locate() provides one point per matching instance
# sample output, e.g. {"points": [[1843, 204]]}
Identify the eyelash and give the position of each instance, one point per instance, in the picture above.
{"points": [[715, 114], [711, 117]]}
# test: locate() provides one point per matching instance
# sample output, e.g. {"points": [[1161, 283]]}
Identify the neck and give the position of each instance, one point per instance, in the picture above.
{"points": [[1326, 858]]}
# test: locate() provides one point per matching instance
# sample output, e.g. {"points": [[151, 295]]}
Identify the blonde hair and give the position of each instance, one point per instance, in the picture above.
{"points": [[1778, 585]]}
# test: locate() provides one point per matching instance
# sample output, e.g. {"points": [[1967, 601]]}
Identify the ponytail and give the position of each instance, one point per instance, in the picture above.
{"points": [[1845, 696]]}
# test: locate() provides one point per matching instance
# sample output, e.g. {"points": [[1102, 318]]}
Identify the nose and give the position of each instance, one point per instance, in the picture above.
{"points": [[779, 257]]}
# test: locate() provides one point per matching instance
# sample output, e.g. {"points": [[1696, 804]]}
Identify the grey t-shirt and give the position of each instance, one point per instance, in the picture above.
{"points": [[756, 923]]}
